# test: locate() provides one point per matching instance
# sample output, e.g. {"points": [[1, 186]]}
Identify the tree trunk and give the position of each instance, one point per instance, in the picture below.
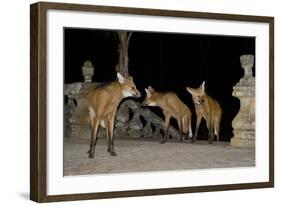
{"points": [[123, 64]]}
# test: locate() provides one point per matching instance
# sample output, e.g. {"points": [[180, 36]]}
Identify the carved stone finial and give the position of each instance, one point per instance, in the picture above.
{"points": [[247, 63], [88, 71]]}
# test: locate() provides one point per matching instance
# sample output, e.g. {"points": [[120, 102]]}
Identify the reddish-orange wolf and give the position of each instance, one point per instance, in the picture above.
{"points": [[103, 101], [207, 108], [172, 106]]}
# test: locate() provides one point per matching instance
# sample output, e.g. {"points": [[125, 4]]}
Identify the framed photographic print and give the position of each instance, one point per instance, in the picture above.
{"points": [[134, 102]]}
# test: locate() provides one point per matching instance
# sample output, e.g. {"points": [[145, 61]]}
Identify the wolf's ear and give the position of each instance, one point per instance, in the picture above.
{"points": [[148, 93], [190, 90], [120, 78], [203, 86], [150, 89]]}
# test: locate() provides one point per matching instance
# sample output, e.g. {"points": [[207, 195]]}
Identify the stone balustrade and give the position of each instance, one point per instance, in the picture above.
{"points": [[132, 120]]}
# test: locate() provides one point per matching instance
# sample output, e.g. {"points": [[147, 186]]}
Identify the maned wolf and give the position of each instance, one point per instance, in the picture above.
{"points": [[172, 106], [103, 101], [207, 108]]}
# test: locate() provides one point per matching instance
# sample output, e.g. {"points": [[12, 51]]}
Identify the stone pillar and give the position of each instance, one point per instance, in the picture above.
{"points": [[244, 122], [88, 71], [68, 111], [79, 120], [76, 120]]}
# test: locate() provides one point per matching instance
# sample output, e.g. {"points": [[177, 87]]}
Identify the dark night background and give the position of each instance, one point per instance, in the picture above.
{"points": [[166, 62]]}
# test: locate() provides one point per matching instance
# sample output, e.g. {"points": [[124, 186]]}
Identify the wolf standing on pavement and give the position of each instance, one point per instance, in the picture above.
{"points": [[208, 108], [172, 106]]}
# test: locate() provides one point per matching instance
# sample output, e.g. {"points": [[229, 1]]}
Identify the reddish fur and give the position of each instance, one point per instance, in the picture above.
{"points": [[172, 106], [104, 99], [209, 109]]}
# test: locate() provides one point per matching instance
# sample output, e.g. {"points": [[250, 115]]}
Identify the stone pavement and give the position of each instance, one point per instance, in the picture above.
{"points": [[141, 155]]}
